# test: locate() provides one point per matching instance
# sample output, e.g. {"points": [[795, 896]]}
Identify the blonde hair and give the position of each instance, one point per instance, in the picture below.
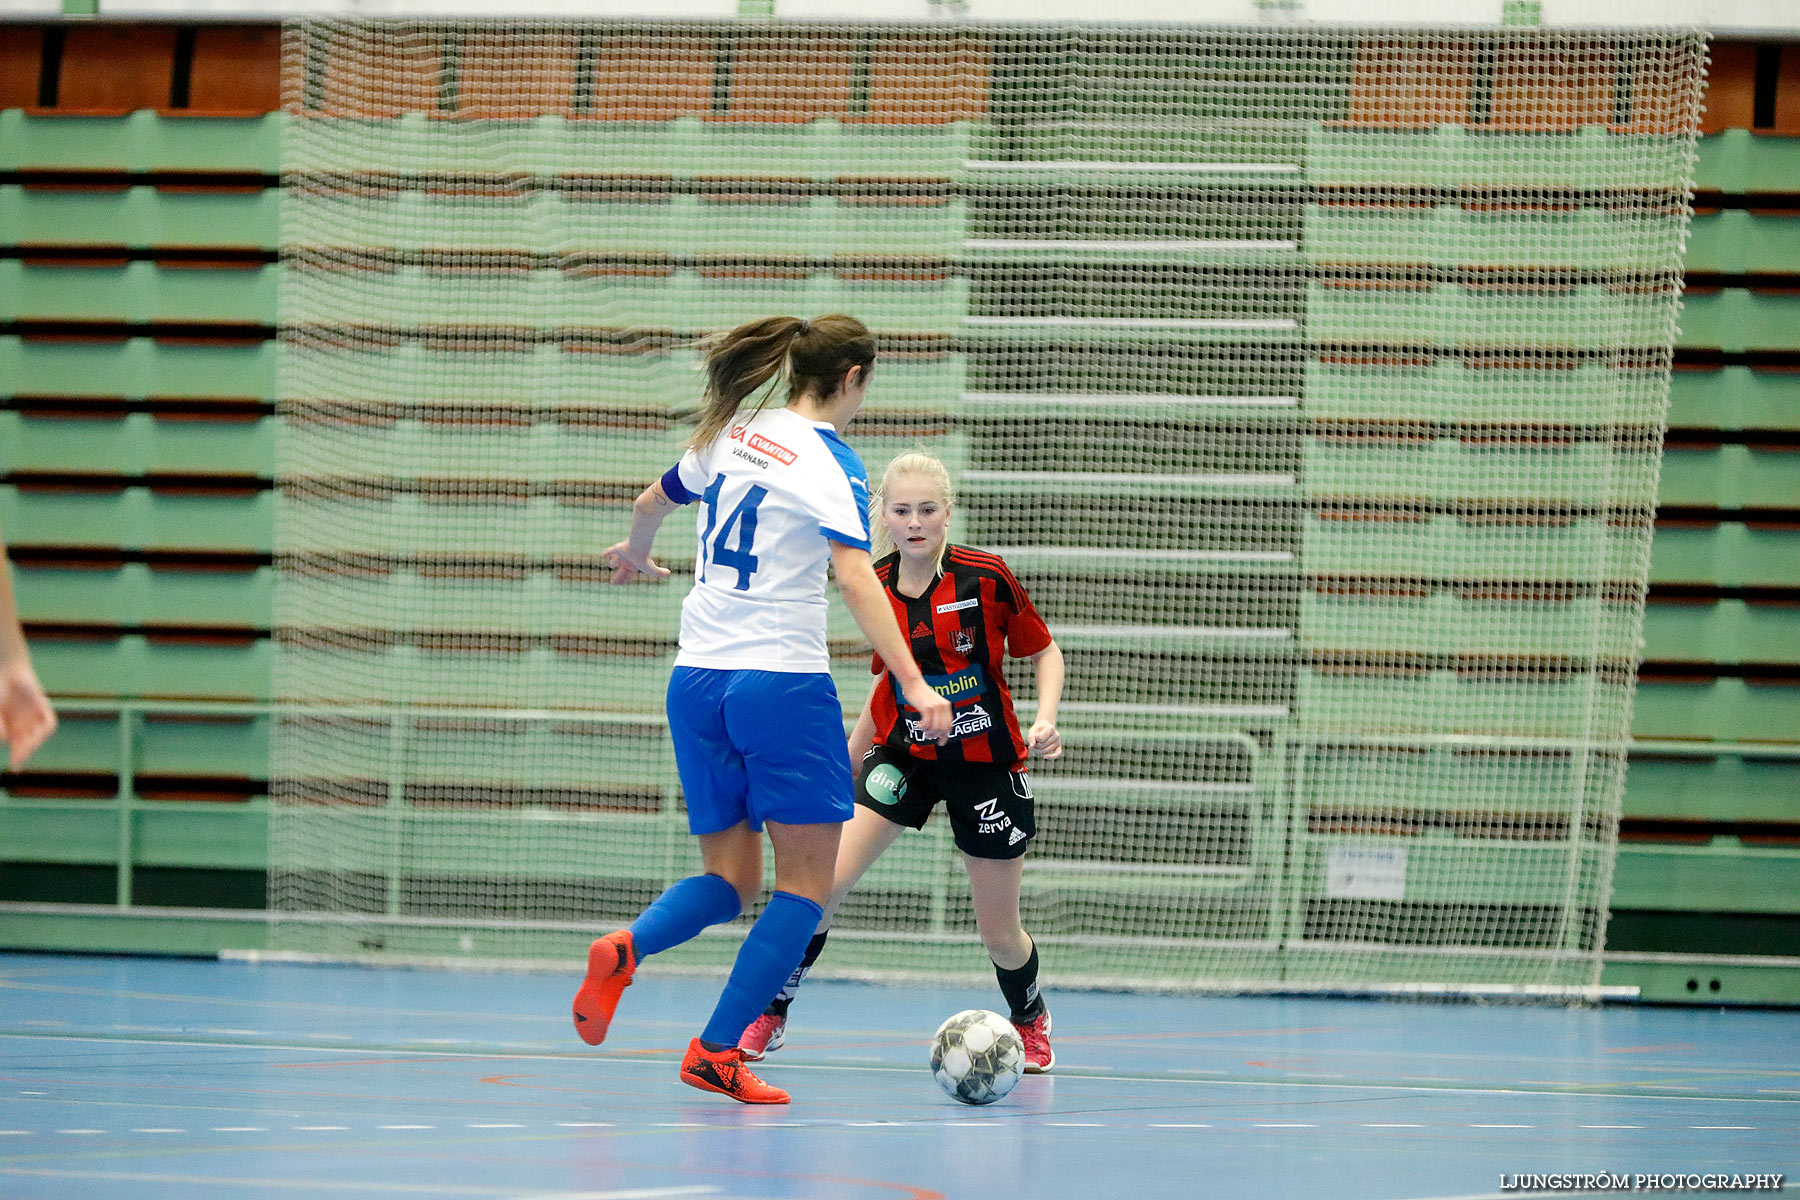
{"points": [[920, 465], [813, 356]]}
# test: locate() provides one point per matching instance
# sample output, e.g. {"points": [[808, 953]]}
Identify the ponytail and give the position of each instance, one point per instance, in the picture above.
{"points": [[813, 356]]}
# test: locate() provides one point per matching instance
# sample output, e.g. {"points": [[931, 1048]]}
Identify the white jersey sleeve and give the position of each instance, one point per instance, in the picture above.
{"points": [[841, 501]]}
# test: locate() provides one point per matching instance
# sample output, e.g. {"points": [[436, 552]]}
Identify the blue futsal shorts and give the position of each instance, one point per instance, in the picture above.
{"points": [[759, 746]]}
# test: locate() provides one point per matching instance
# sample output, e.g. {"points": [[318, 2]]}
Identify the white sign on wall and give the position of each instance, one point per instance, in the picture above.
{"points": [[1366, 873]]}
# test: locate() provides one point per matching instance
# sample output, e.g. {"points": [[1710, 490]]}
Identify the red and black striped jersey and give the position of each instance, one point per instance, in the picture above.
{"points": [[961, 630]]}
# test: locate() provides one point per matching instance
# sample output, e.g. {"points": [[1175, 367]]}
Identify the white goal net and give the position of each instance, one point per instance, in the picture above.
{"points": [[1311, 380]]}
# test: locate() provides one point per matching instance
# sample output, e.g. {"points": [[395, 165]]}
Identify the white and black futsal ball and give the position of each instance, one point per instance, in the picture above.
{"points": [[977, 1056]]}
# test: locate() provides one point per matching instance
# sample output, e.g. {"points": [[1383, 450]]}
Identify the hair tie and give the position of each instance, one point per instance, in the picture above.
{"points": [[805, 328]]}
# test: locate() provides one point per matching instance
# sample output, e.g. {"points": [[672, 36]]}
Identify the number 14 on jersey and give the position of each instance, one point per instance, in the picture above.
{"points": [[717, 549]]}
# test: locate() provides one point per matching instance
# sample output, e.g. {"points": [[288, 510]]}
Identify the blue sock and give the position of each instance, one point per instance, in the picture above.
{"points": [[688, 906], [765, 960]]}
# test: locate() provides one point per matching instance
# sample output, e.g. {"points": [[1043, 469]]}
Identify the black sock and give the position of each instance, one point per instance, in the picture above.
{"points": [[1019, 986], [779, 1005]]}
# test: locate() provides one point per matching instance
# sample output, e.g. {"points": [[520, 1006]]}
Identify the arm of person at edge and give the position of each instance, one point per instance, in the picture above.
{"points": [[1043, 739], [26, 718], [868, 603], [631, 557]]}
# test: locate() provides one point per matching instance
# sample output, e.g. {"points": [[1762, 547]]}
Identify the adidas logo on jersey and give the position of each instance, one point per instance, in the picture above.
{"points": [[921, 630]]}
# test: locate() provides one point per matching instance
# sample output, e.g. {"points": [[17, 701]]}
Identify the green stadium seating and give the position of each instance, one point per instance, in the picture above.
{"points": [[1447, 235], [1736, 320], [140, 216], [1449, 469], [665, 223], [164, 667], [1451, 391], [164, 748], [683, 148], [137, 518], [136, 366], [136, 594], [1575, 628], [1739, 161], [1735, 240], [1731, 477], [1584, 317], [1735, 398], [1724, 709], [1724, 875], [1725, 631], [137, 443], [138, 292], [1727, 554], [140, 141], [1703, 787], [1454, 156], [1445, 546], [1532, 705]]}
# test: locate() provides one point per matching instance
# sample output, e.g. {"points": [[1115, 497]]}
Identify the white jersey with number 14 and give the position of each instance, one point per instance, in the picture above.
{"points": [[773, 492]]}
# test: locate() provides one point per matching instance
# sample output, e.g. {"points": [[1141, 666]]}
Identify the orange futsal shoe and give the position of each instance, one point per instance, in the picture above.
{"points": [[612, 960], [723, 1071]]}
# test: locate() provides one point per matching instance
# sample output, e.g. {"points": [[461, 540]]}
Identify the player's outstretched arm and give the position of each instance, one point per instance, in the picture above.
{"points": [[631, 558], [26, 718], [864, 596], [1043, 738]]}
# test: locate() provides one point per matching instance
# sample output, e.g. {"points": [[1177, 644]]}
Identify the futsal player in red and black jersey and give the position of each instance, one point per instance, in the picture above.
{"points": [[964, 613]]}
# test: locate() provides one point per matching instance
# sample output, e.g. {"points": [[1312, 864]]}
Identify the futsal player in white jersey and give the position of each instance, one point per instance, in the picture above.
{"points": [[754, 717]]}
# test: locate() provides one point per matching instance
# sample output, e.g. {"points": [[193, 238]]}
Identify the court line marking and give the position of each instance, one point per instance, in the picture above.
{"points": [[1619, 1092], [992, 1118], [329, 1185]]}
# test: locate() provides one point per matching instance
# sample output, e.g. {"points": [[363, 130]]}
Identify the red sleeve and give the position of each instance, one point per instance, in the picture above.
{"points": [[1026, 633]]}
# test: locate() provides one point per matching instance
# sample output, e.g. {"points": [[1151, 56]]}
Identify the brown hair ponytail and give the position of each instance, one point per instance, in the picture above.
{"points": [[814, 356]]}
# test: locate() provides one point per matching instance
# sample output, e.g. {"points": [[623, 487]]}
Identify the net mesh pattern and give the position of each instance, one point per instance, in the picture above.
{"points": [[1313, 382]]}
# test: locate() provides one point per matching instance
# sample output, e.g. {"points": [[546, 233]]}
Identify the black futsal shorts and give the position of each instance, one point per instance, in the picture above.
{"points": [[991, 813]]}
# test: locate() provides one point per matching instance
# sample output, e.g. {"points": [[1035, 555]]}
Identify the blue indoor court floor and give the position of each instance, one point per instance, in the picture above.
{"points": [[128, 1077]]}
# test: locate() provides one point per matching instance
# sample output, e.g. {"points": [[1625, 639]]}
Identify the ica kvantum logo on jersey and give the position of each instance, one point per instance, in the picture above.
{"points": [[763, 445]]}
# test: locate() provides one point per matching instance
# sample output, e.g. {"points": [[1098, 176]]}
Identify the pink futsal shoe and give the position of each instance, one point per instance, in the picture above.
{"points": [[1035, 1033], [764, 1036], [612, 960]]}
